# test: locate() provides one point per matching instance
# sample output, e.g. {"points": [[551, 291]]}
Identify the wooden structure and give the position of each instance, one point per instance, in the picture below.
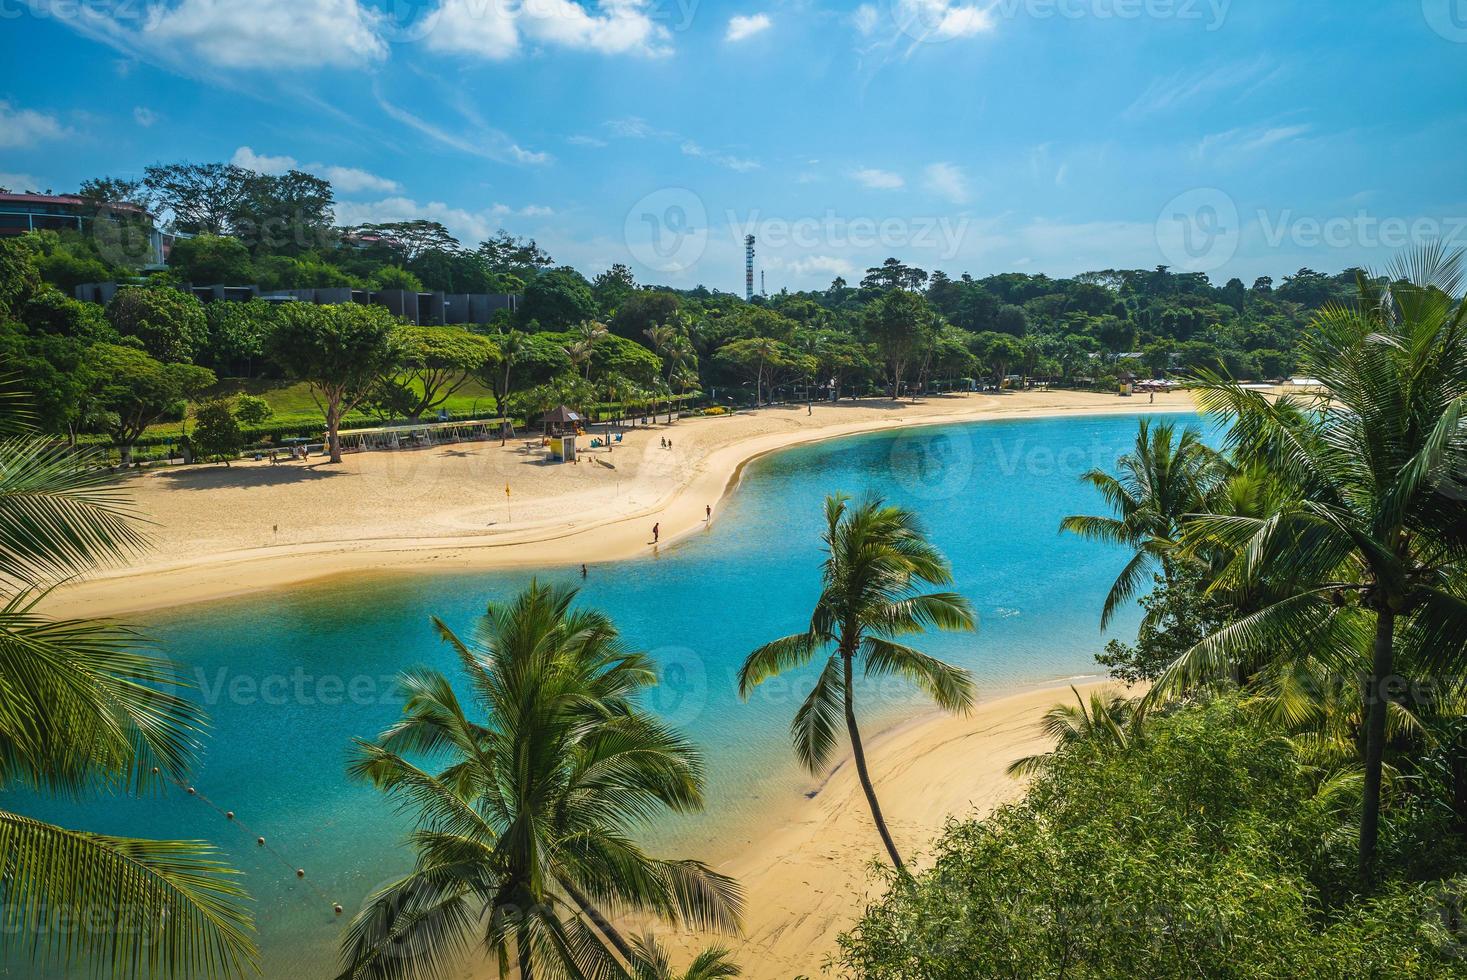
{"points": [[417, 434], [560, 420]]}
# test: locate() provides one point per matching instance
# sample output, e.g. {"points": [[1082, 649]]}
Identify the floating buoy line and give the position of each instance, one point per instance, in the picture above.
{"points": [[231, 817]]}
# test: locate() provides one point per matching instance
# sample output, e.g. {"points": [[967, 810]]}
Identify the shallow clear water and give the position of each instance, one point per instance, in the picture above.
{"points": [[290, 678]]}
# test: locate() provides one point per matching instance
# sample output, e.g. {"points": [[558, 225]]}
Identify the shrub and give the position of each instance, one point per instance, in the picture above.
{"points": [[252, 410], [216, 431], [1201, 851]]}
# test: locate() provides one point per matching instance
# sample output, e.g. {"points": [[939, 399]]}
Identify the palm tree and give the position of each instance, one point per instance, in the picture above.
{"points": [[512, 348], [86, 705], [651, 962], [877, 558], [1366, 560], [524, 836], [1161, 481], [1112, 723]]}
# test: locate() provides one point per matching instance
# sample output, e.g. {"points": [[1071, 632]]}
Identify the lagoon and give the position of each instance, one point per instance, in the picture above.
{"points": [[291, 678]]}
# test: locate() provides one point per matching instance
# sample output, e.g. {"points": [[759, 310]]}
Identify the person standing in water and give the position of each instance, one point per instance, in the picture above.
{"points": [[583, 569]]}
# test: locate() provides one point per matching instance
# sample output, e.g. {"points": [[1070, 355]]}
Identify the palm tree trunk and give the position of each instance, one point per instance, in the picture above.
{"points": [[860, 756], [600, 921], [1375, 728]]}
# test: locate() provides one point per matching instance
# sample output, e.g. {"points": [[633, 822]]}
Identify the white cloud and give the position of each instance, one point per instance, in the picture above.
{"points": [[351, 180], [496, 29], [1181, 87], [262, 164], [22, 183], [144, 116], [345, 180], [865, 19], [522, 155], [829, 264], [26, 127], [739, 164], [586, 141], [1244, 141], [881, 180], [475, 139], [948, 181], [467, 226], [263, 33], [741, 26], [941, 20]]}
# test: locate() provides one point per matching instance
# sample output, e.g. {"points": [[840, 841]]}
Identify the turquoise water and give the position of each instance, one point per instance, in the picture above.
{"points": [[290, 678]]}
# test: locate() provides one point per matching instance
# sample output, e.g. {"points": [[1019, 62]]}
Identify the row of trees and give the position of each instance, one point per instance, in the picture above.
{"points": [[899, 330], [1288, 798]]}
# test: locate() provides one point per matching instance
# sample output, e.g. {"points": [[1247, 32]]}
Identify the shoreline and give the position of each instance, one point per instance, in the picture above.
{"points": [[806, 863], [682, 491]]}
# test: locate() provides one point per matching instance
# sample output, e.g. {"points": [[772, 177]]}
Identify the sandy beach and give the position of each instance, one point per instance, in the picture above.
{"points": [[806, 870], [221, 531], [806, 863]]}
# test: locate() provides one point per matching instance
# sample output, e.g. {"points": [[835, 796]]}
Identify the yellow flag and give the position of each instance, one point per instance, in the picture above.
{"points": [[506, 489]]}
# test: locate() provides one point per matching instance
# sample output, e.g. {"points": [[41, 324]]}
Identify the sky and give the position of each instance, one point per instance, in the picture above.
{"points": [[1233, 137]]}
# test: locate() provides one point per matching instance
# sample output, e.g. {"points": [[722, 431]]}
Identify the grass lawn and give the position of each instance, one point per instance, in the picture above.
{"points": [[292, 404]]}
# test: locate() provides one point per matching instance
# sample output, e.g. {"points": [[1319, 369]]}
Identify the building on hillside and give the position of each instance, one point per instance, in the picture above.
{"points": [[422, 308], [125, 233]]}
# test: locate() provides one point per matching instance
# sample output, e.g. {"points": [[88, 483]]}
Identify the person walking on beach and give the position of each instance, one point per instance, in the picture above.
{"points": [[1153, 399], [656, 532], [708, 512]]}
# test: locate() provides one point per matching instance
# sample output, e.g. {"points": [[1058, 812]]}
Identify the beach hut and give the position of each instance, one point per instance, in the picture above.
{"points": [[560, 420], [1127, 383]]}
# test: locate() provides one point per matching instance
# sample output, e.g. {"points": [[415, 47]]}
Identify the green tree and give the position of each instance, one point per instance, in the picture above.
{"points": [[523, 838], [612, 287], [131, 391], [396, 277], [898, 324], [339, 351], [1162, 481], [216, 434], [759, 357], [433, 363], [1376, 535], [558, 299], [1108, 723], [651, 962], [169, 323], [1227, 875], [877, 559], [236, 335], [89, 708], [202, 198], [212, 259]]}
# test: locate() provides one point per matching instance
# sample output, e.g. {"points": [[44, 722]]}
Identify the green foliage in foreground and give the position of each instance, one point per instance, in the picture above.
{"points": [[1207, 849]]}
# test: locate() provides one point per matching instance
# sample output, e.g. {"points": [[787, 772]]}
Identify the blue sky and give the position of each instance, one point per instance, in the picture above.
{"points": [[1238, 137]]}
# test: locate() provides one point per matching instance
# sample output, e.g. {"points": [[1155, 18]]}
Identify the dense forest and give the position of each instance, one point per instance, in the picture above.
{"points": [[127, 370]]}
